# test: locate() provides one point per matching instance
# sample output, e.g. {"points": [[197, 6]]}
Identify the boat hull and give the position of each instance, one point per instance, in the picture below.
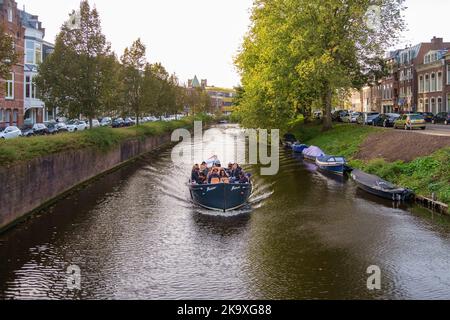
{"points": [[366, 182], [299, 148], [338, 169], [221, 197]]}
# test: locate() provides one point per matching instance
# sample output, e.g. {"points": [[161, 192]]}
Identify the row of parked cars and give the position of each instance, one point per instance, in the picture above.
{"points": [[405, 121], [53, 127]]}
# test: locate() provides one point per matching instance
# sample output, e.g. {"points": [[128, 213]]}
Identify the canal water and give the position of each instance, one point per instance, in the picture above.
{"points": [[134, 234]]}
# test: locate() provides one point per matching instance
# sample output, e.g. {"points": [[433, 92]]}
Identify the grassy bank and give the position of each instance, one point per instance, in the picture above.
{"points": [[424, 175], [24, 149]]}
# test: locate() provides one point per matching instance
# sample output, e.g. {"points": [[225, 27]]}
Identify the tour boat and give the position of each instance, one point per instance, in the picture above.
{"points": [[222, 196], [288, 141], [379, 187], [332, 164]]}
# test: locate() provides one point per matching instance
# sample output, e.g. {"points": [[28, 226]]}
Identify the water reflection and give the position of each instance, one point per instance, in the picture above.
{"points": [[136, 235]]}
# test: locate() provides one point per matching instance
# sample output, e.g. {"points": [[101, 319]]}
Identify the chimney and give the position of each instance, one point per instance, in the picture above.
{"points": [[437, 43]]}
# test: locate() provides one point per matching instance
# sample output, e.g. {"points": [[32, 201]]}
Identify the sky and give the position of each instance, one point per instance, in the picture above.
{"points": [[201, 37]]}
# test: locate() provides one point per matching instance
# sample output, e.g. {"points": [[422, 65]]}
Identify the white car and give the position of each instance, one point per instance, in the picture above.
{"points": [[76, 125], [10, 132], [106, 122], [95, 123]]}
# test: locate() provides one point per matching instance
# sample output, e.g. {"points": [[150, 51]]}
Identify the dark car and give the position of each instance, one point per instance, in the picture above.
{"points": [[428, 116], [118, 123], [366, 118], [27, 131], [40, 129], [442, 117], [52, 127], [129, 122], [385, 120], [339, 115]]}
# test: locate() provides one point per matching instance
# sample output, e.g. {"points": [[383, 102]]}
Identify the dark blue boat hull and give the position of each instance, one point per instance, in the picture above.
{"points": [[221, 197], [337, 169]]}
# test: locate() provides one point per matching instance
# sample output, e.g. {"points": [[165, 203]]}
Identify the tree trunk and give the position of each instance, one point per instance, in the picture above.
{"points": [[90, 122], [326, 100]]}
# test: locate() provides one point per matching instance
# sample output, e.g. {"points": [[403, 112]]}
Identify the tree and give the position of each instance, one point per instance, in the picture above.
{"points": [[298, 52], [133, 68], [78, 77], [8, 55]]}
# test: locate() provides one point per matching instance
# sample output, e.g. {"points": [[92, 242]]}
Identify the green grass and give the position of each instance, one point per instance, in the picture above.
{"points": [[24, 149], [424, 175]]}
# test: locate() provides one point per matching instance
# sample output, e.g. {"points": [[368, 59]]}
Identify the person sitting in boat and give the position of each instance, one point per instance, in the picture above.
{"points": [[236, 172], [244, 178], [214, 176], [204, 168], [195, 176], [229, 170], [224, 177], [202, 178]]}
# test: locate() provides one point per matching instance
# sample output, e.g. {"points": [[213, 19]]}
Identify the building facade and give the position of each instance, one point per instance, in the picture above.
{"points": [[222, 99], [34, 43], [12, 93]]}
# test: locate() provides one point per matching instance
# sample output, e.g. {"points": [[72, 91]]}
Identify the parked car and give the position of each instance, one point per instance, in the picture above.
{"points": [[52, 127], [366, 118], [351, 117], [317, 114], [106, 122], [10, 132], [442, 117], [76, 125], [62, 127], [428, 116], [128, 122], [339, 115], [95, 123], [27, 131], [385, 120], [40, 129], [410, 122], [118, 123]]}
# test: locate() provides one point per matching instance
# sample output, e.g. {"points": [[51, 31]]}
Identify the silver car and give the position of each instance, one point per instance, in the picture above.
{"points": [[10, 132]]}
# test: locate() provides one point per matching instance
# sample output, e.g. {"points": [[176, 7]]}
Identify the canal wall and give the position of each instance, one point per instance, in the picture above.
{"points": [[28, 186]]}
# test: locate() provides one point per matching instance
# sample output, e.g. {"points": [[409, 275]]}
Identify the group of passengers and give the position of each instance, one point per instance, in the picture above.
{"points": [[201, 174]]}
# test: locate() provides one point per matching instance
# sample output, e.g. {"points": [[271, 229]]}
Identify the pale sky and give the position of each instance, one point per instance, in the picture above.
{"points": [[200, 37]]}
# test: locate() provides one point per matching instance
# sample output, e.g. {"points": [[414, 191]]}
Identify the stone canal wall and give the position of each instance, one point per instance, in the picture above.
{"points": [[27, 186]]}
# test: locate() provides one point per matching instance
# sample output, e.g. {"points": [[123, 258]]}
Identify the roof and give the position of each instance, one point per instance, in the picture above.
{"points": [[30, 21], [195, 82]]}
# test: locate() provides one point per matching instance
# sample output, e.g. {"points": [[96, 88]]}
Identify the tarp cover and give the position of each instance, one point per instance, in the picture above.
{"points": [[313, 152]]}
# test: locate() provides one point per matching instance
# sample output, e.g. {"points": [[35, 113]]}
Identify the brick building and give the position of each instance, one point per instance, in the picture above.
{"points": [[12, 93]]}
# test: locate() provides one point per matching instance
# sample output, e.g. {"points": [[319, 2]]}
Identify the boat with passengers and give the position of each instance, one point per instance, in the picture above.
{"points": [[221, 189]]}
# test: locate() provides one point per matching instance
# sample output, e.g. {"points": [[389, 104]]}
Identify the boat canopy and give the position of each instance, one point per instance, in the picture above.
{"points": [[313, 152]]}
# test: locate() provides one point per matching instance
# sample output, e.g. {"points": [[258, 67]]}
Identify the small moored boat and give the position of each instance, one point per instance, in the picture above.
{"points": [[312, 153], [298, 148], [379, 187], [333, 164], [288, 140]]}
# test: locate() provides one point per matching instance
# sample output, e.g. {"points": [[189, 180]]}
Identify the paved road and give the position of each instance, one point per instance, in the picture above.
{"points": [[437, 130]]}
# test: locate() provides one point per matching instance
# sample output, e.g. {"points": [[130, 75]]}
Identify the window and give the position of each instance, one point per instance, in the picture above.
{"points": [[427, 105], [15, 116], [448, 102], [439, 81], [421, 105], [29, 55], [38, 54], [33, 53], [433, 105], [433, 82], [1, 115], [9, 92], [448, 74], [439, 105], [10, 14], [427, 83], [421, 84], [8, 116]]}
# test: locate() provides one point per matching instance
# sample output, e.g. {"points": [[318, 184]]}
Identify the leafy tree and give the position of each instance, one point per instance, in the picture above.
{"points": [[133, 69], [8, 55], [298, 52], [78, 77]]}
